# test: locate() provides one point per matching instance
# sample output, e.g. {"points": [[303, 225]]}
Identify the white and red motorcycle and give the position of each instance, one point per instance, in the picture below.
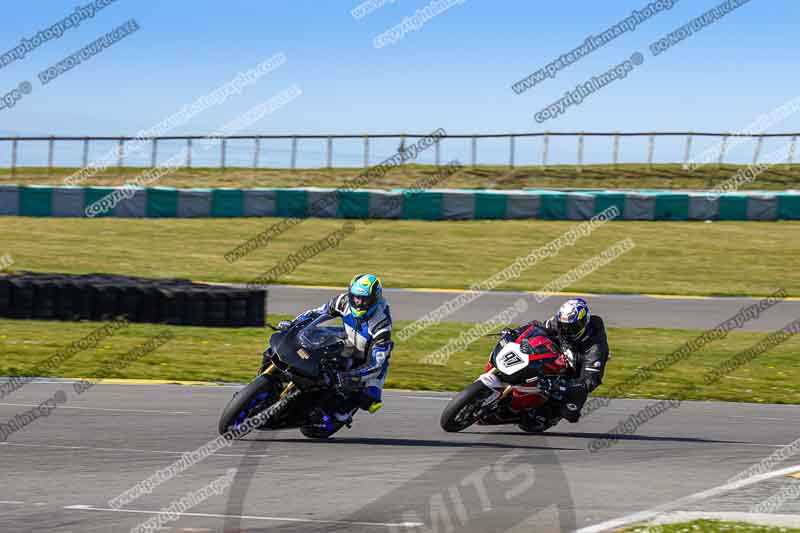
{"points": [[520, 386]]}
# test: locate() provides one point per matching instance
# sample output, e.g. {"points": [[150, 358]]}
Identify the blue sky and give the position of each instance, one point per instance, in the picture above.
{"points": [[455, 72]]}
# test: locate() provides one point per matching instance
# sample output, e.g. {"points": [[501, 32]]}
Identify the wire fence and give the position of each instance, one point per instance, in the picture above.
{"points": [[292, 151]]}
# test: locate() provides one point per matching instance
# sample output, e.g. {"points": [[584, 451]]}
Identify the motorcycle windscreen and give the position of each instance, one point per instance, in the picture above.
{"points": [[301, 360], [303, 350], [318, 338]]}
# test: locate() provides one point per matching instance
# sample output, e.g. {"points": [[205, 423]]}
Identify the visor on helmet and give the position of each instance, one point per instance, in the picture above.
{"points": [[573, 330], [362, 303]]}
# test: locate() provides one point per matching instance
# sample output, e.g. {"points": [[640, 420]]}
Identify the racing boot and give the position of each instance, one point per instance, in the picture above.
{"points": [[321, 425], [538, 420]]}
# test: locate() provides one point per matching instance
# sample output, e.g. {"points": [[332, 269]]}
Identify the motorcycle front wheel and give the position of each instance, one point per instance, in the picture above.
{"points": [[249, 401], [463, 410]]}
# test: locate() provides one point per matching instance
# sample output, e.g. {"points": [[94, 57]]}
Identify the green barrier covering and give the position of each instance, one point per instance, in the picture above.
{"points": [[353, 204], [410, 204], [422, 205], [553, 205], [227, 203], [162, 202], [604, 200], [789, 206], [93, 194], [36, 201], [490, 205], [292, 203], [733, 207], [671, 206]]}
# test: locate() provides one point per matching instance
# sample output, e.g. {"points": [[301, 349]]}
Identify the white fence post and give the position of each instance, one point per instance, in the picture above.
{"points": [[757, 151], [366, 151], [651, 149], [120, 152], [85, 152], [687, 152], [580, 153], [50, 149], [511, 149], [330, 152], [792, 148], [401, 149], [294, 153], [722, 148], [438, 151], [545, 148], [616, 150], [256, 152], [188, 153], [154, 153], [474, 151], [14, 149]]}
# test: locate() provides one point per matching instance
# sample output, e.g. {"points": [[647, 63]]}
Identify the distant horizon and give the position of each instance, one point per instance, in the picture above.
{"points": [[274, 150], [399, 66]]}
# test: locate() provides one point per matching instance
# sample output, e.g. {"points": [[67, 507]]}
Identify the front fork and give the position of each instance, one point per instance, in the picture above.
{"points": [[286, 390], [499, 390]]}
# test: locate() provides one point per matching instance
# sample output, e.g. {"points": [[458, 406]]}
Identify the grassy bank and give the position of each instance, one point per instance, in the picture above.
{"points": [[214, 354], [710, 526], [724, 258], [631, 176]]}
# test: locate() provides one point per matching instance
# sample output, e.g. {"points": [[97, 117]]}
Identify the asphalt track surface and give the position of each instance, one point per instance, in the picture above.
{"points": [[393, 467], [630, 311]]}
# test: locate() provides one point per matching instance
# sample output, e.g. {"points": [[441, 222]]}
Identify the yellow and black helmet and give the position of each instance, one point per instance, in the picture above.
{"points": [[363, 294]]}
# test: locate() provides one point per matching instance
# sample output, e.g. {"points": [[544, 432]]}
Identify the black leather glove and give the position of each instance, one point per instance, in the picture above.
{"points": [[554, 387], [284, 324], [508, 334], [327, 377], [331, 378]]}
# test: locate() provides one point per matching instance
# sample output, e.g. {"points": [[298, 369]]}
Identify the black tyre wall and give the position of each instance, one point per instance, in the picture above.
{"points": [[103, 297]]}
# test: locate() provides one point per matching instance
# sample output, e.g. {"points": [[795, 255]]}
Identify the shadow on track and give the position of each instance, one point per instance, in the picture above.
{"points": [[379, 441], [648, 438]]}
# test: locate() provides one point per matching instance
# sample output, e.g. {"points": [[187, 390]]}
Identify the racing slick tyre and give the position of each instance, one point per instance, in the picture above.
{"points": [[255, 397], [462, 411]]}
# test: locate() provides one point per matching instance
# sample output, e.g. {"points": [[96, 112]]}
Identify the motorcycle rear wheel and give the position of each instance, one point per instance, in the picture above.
{"points": [[462, 411]]}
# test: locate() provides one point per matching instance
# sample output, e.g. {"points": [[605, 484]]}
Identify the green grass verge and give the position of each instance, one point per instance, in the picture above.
{"points": [[727, 258], [215, 354], [710, 526], [724, 258], [630, 176]]}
